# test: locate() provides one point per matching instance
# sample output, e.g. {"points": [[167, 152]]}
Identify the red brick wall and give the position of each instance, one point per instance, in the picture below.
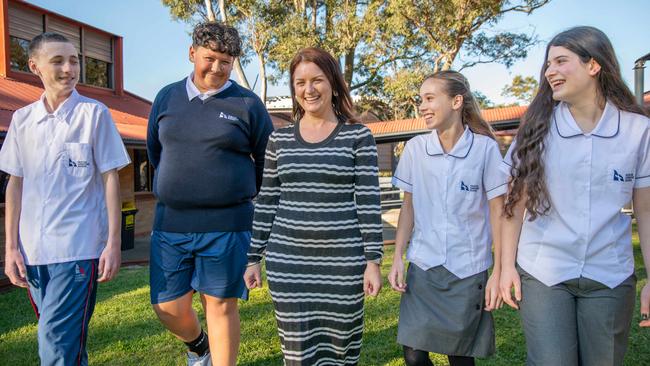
{"points": [[385, 157], [146, 205], [126, 181]]}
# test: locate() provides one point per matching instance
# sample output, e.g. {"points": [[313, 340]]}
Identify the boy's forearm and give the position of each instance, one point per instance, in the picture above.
{"points": [[13, 206], [113, 204]]}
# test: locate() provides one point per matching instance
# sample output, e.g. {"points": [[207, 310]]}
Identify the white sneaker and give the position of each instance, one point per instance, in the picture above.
{"points": [[194, 360]]}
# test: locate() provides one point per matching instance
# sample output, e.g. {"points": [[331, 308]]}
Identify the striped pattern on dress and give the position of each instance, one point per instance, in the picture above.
{"points": [[317, 221]]}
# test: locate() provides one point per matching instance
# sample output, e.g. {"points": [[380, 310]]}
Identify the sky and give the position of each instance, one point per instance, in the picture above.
{"points": [[156, 47]]}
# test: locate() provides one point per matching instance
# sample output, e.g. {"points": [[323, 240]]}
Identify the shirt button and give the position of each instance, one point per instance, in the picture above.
{"points": [[480, 287], [478, 307]]}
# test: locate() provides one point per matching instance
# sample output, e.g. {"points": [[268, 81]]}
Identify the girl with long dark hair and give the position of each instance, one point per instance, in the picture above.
{"points": [[453, 199], [580, 155], [318, 219]]}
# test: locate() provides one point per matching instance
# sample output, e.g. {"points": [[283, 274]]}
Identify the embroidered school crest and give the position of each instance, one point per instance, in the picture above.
{"points": [[618, 177], [468, 188]]}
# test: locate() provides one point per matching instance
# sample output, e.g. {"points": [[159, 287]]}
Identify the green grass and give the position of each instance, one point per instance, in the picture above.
{"points": [[125, 331]]}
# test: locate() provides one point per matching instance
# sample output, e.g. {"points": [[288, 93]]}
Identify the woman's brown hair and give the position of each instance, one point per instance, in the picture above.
{"points": [[457, 84], [341, 99], [528, 168]]}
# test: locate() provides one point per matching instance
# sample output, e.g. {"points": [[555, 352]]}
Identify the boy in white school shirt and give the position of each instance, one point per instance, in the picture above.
{"points": [[62, 202]]}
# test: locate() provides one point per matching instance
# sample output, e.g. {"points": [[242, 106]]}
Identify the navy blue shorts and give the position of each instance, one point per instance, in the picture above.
{"points": [[63, 297], [210, 263]]}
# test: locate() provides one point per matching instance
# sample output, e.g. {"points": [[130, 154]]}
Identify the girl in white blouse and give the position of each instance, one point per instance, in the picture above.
{"points": [[453, 197], [580, 155]]}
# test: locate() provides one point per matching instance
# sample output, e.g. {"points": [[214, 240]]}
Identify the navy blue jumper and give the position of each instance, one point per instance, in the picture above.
{"points": [[208, 158]]}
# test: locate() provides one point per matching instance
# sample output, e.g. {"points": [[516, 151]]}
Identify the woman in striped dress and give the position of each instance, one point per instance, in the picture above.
{"points": [[318, 219]]}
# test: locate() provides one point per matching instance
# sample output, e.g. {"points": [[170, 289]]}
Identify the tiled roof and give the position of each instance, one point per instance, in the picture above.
{"points": [[416, 125], [129, 111]]}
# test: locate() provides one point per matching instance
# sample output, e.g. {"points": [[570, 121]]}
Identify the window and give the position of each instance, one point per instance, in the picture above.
{"points": [[98, 73], [143, 177], [19, 54], [96, 53]]}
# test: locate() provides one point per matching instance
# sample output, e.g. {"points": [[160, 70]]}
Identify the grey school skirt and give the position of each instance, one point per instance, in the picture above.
{"points": [[442, 313]]}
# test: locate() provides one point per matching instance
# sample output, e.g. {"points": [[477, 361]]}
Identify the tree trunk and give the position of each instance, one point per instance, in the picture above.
{"points": [[349, 66], [328, 20], [243, 81], [262, 77], [416, 111], [210, 11]]}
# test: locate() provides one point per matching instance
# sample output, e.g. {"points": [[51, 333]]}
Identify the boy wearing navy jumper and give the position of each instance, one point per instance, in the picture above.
{"points": [[62, 203], [206, 139]]}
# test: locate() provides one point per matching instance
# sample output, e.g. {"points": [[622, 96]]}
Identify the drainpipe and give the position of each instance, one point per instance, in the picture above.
{"points": [[639, 65]]}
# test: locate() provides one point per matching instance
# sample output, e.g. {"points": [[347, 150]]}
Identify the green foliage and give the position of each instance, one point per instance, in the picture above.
{"points": [[384, 45], [190, 11], [522, 88], [483, 101]]}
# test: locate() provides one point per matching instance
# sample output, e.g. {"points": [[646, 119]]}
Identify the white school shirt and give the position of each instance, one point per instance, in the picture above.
{"points": [[450, 200], [589, 177], [193, 91], [61, 157]]}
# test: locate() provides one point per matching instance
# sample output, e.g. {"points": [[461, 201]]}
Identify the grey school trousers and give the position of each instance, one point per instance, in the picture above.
{"points": [[580, 322]]}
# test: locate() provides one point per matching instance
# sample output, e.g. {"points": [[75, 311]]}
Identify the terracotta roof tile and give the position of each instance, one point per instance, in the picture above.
{"points": [[129, 111], [415, 125]]}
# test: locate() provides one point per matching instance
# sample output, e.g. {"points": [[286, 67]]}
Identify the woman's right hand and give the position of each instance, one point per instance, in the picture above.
{"points": [[396, 275], [253, 276], [510, 279]]}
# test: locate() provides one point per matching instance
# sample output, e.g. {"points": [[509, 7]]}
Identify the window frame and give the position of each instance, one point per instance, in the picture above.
{"points": [[44, 19]]}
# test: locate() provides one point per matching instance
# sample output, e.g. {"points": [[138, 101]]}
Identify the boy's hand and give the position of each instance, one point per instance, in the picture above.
{"points": [[110, 261], [15, 267]]}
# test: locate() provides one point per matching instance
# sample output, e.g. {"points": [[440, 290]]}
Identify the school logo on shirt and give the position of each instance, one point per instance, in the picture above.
{"points": [[468, 188], [79, 274], [228, 117], [77, 163], [618, 177]]}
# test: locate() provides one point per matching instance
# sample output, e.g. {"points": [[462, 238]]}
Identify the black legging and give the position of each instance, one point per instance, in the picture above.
{"points": [[415, 357]]}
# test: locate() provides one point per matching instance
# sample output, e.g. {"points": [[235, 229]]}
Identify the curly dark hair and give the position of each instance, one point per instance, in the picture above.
{"points": [[218, 37], [529, 168]]}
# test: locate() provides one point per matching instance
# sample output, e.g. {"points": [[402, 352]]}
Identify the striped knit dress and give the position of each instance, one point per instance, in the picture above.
{"points": [[318, 220]]}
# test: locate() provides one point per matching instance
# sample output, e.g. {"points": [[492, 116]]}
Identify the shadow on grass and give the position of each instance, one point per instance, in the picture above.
{"points": [[16, 311]]}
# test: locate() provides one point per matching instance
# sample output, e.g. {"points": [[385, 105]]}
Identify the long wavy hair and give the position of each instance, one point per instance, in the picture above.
{"points": [[341, 99], [457, 84], [528, 168]]}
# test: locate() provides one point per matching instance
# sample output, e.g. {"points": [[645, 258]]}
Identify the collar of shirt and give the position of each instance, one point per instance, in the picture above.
{"points": [[193, 91], [61, 113], [460, 150], [567, 127]]}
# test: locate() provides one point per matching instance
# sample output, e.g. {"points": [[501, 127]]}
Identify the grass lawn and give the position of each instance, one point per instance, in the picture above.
{"points": [[125, 331]]}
